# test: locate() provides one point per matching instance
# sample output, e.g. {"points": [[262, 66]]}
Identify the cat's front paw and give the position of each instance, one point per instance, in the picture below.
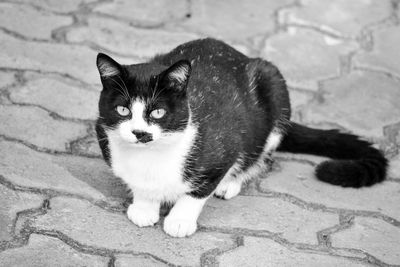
{"points": [[142, 217], [179, 227]]}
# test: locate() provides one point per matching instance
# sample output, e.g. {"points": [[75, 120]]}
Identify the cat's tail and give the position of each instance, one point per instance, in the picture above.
{"points": [[355, 163]]}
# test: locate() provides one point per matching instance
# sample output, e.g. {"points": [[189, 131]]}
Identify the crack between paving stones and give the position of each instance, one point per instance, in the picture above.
{"points": [[392, 76], [54, 115], [209, 258], [25, 38], [324, 30], [51, 41], [21, 237], [367, 258], [319, 249], [22, 80], [324, 235], [276, 29], [142, 25], [70, 150], [52, 193], [37, 148], [319, 207], [327, 30], [38, 8], [64, 75], [279, 26], [111, 262], [92, 250]]}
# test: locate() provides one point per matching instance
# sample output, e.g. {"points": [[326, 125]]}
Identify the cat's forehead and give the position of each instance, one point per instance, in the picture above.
{"points": [[141, 79], [144, 71]]}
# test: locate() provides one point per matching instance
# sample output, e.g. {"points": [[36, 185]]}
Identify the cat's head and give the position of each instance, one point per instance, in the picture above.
{"points": [[143, 104]]}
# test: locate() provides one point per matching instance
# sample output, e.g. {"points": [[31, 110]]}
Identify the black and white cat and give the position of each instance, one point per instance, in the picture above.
{"points": [[200, 121]]}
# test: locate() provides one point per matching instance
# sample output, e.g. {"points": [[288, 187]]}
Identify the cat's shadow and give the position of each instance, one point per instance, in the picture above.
{"points": [[97, 175]]}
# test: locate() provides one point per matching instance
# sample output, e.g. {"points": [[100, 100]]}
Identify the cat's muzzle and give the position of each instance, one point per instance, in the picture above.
{"points": [[143, 137]]}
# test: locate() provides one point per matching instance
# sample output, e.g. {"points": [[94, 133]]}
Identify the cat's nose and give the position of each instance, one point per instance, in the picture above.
{"points": [[143, 137]]}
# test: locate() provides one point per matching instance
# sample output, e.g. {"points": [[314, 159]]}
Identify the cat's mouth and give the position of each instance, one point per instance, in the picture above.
{"points": [[138, 143]]}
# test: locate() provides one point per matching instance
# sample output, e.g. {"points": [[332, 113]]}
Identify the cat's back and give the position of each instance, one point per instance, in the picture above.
{"points": [[208, 57]]}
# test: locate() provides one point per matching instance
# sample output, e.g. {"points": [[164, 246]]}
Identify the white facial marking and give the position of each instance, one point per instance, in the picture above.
{"points": [[182, 219], [107, 70], [137, 123], [180, 74]]}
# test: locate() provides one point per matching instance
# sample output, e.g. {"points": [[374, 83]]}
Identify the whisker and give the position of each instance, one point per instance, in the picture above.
{"points": [[121, 89], [126, 88]]}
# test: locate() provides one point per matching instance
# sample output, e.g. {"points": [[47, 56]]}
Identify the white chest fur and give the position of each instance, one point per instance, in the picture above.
{"points": [[155, 170]]}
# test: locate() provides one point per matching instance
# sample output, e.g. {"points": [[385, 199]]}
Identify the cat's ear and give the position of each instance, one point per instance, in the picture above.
{"points": [[176, 77], [107, 66]]}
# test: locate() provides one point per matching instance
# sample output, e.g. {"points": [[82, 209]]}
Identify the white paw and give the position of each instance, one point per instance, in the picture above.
{"points": [[228, 190], [142, 217], [179, 227]]}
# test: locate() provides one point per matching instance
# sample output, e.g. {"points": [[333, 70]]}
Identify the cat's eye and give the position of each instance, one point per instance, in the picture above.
{"points": [[123, 111], [158, 113]]}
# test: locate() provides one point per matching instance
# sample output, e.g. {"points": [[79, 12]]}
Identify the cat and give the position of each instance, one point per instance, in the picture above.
{"points": [[200, 121]]}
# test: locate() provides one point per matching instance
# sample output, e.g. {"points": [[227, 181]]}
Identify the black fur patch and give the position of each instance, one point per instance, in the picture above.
{"points": [[235, 101], [355, 162]]}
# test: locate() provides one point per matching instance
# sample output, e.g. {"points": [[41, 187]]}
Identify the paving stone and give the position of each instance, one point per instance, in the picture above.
{"points": [[73, 60], [129, 261], [297, 179], [87, 146], [34, 125], [96, 174], [48, 251], [363, 102], [342, 18], [86, 177], [373, 236], [392, 136], [299, 98], [6, 79], [67, 100], [30, 22], [146, 13], [394, 167], [265, 252], [93, 226], [384, 55], [232, 20], [56, 5], [305, 56], [13, 202], [124, 39], [271, 214]]}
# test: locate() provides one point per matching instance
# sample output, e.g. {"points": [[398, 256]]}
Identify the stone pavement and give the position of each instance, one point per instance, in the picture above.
{"points": [[60, 204]]}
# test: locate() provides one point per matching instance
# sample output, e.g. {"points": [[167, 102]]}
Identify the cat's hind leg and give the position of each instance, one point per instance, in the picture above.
{"points": [[231, 184], [228, 188]]}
